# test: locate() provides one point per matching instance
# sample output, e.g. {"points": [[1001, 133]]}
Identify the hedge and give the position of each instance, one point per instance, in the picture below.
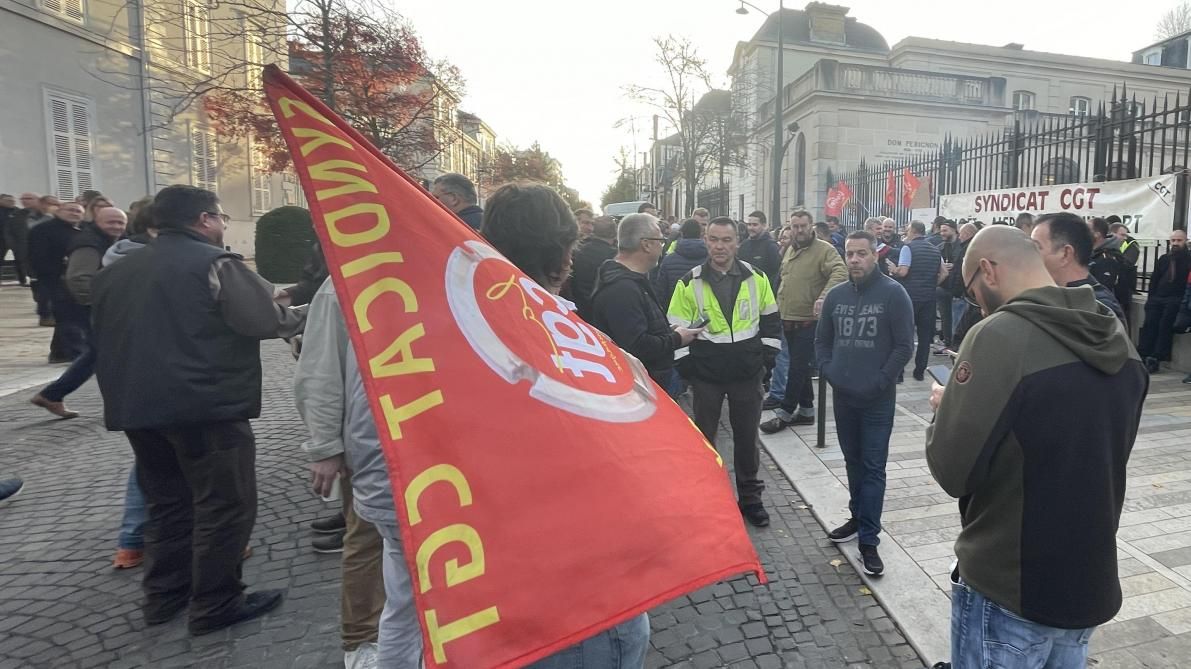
{"points": [[283, 240]]}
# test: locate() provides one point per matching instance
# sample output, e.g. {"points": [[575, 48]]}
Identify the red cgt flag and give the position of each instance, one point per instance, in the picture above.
{"points": [[910, 186], [547, 489], [837, 199], [890, 189]]}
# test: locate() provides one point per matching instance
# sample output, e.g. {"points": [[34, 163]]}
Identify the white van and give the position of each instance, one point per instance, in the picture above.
{"points": [[622, 209]]}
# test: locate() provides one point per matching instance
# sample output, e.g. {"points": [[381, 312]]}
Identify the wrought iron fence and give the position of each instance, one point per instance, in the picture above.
{"points": [[1126, 138]]}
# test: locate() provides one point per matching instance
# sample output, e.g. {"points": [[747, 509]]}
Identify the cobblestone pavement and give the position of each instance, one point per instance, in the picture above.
{"points": [[24, 345], [63, 606]]}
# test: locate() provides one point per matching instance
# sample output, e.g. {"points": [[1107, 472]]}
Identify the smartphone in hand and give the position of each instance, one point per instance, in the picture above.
{"points": [[940, 373]]}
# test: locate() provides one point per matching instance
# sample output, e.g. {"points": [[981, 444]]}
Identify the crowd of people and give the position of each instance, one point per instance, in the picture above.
{"points": [[717, 310]]}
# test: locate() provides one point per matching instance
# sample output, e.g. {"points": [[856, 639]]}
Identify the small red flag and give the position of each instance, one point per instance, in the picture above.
{"points": [[546, 489], [910, 185], [890, 189], [837, 198]]}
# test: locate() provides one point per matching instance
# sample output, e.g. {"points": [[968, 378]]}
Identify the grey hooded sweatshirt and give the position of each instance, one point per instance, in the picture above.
{"points": [[329, 392], [1033, 436]]}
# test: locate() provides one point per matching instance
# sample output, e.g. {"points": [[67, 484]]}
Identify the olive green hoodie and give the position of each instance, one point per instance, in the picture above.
{"points": [[1033, 436]]}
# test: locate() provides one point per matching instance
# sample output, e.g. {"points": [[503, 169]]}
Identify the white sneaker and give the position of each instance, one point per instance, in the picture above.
{"points": [[363, 657]]}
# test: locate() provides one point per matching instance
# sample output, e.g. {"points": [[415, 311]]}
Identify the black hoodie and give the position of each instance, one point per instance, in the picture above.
{"points": [[624, 307]]}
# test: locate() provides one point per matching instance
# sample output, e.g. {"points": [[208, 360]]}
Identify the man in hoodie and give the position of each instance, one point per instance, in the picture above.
{"points": [[84, 260], [1167, 283], [1066, 247], [592, 253], [624, 306], [864, 339], [49, 244], [1037, 563], [760, 250], [688, 252]]}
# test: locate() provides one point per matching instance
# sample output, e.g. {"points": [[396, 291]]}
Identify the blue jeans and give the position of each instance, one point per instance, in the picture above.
{"points": [[622, 647], [76, 375], [985, 634], [781, 368], [864, 439], [959, 307], [133, 524]]}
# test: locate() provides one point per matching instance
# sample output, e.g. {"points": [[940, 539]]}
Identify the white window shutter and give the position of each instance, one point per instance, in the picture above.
{"points": [[81, 128], [70, 138]]}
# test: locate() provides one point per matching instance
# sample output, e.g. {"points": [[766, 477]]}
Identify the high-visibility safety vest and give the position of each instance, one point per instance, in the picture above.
{"points": [[693, 301]]}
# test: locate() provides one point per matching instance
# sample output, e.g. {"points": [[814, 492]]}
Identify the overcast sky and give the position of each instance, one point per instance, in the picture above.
{"points": [[554, 70]]}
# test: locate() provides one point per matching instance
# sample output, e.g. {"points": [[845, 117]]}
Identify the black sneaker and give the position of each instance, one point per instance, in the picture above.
{"points": [[919, 376], [774, 425], [755, 514], [845, 532], [803, 420], [328, 543], [871, 561], [255, 605], [771, 403], [329, 525]]}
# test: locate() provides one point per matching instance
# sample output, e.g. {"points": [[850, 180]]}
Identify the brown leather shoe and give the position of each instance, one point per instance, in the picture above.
{"points": [[57, 408]]}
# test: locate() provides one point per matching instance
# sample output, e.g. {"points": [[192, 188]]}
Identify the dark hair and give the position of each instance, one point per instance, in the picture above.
{"points": [[142, 221], [822, 227], [691, 229], [723, 220], [1067, 229], [760, 215], [947, 222], [802, 213], [1100, 227], [1113, 219], [866, 236], [646, 205], [918, 227], [833, 219], [180, 206], [533, 227], [459, 185]]}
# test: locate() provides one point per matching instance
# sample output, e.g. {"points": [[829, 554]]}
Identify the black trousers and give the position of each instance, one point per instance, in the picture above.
{"points": [[1157, 331], [924, 325], [9, 241], [744, 415], [800, 390], [200, 492], [71, 321]]}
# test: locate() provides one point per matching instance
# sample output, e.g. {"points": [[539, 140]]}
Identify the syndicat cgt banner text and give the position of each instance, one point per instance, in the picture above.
{"points": [[1147, 206]]}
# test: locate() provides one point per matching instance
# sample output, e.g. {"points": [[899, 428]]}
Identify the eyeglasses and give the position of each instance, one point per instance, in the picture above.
{"points": [[968, 297], [220, 215], [653, 239]]}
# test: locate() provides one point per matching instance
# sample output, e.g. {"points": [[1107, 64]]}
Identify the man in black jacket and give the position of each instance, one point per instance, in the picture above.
{"points": [[1066, 247], [1167, 284], [760, 250], [585, 265], [688, 252], [624, 306], [458, 193], [48, 246], [84, 260], [179, 325]]}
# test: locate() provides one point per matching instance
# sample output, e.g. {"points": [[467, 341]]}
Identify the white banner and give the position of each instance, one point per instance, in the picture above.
{"points": [[1145, 205]]}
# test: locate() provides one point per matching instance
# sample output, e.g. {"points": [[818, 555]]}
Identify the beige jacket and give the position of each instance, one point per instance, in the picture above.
{"points": [[807, 274]]}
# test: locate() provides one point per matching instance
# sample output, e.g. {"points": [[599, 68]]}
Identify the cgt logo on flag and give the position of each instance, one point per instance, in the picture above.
{"points": [[546, 490], [579, 371]]}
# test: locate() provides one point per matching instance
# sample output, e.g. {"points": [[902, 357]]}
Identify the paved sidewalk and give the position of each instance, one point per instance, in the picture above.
{"points": [[921, 522], [63, 606]]}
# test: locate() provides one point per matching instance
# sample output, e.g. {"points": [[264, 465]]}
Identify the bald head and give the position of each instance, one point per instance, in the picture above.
{"points": [[1001, 263], [967, 231], [111, 221]]}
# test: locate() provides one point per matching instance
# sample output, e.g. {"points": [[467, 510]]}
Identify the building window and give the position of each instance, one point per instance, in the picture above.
{"points": [[1023, 100], [69, 121], [1081, 106], [71, 10], [1153, 58], [262, 180], [291, 190], [204, 159], [198, 34], [254, 57]]}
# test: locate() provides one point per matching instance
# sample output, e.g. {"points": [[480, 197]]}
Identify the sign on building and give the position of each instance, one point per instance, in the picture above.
{"points": [[1147, 206]]}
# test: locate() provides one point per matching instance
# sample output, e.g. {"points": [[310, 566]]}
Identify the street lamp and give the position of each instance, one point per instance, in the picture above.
{"points": [[778, 149]]}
